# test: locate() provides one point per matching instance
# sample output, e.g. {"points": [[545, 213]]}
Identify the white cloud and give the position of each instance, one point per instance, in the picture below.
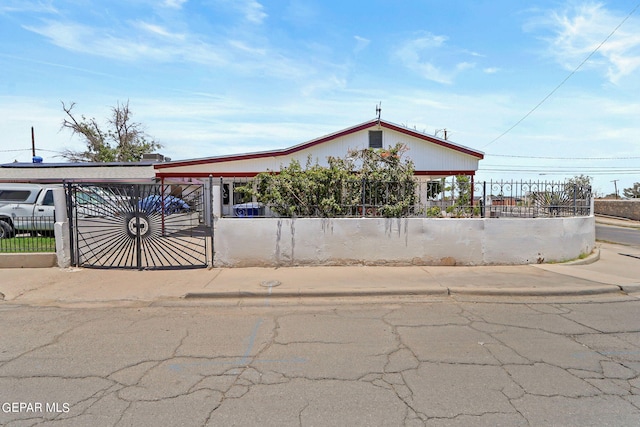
{"points": [[174, 4], [361, 43], [579, 30], [252, 11], [142, 41], [244, 47], [412, 54], [419, 55], [123, 46], [159, 30], [491, 70], [13, 6], [301, 12]]}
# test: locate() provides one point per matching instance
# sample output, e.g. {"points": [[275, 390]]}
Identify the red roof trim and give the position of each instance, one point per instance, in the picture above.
{"points": [[431, 139], [252, 174], [262, 154], [296, 148], [443, 173]]}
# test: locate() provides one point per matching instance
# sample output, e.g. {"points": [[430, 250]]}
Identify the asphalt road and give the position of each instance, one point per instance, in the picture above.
{"points": [[620, 235], [420, 362]]}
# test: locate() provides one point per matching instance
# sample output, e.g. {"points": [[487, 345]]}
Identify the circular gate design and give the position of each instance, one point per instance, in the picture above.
{"points": [[138, 226]]}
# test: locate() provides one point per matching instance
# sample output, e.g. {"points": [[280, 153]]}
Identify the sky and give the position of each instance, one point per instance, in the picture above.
{"points": [[547, 89]]}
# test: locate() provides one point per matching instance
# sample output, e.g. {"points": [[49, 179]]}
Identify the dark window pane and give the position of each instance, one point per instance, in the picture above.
{"points": [[14, 195], [48, 198], [375, 139]]}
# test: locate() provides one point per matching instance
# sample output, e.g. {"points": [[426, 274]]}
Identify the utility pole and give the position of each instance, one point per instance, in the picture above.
{"points": [[615, 186]]}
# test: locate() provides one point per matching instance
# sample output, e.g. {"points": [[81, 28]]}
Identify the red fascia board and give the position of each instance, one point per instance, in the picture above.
{"points": [[296, 148], [446, 173], [436, 141], [262, 154], [253, 174], [206, 174]]}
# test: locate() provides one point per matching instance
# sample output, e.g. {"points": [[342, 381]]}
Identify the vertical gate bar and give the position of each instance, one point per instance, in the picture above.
{"points": [[472, 193], [364, 212], [70, 219], [136, 193], [221, 197], [484, 199], [211, 218], [162, 205]]}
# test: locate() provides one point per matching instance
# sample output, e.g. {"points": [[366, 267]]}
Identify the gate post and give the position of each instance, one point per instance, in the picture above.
{"points": [[71, 222], [214, 210], [61, 228]]}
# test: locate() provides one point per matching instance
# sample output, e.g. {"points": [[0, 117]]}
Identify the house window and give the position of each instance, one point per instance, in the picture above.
{"points": [[375, 139]]}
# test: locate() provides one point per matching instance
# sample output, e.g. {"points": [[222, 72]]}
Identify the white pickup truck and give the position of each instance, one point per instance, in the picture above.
{"points": [[26, 208]]}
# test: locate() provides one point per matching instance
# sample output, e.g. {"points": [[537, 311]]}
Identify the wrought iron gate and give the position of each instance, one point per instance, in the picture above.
{"points": [[143, 226]]}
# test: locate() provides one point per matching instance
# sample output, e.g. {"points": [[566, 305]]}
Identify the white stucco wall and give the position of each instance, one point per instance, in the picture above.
{"points": [[242, 242]]}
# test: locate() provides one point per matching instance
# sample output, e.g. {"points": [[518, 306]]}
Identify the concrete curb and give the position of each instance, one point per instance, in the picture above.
{"points": [[617, 221], [316, 294], [631, 288], [593, 257], [531, 292], [596, 290], [28, 260]]}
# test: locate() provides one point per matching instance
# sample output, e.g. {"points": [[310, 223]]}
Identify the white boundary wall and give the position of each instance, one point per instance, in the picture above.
{"points": [[244, 242]]}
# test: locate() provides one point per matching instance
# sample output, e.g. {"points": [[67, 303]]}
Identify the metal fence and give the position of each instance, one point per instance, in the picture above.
{"points": [[456, 197], [27, 234], [143, 226]]}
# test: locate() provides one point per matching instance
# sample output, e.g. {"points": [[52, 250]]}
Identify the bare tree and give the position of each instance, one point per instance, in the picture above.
{"points": [[123, 140]]}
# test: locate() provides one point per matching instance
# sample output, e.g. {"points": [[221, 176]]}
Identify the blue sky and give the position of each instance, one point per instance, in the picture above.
{"points": [[215, 77]]}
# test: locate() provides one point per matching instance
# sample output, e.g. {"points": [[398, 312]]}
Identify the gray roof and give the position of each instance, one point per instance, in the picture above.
{"points": [[77, 164]]}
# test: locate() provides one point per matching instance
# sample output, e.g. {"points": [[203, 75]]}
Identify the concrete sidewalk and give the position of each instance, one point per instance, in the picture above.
{"points": [[611, 269]]}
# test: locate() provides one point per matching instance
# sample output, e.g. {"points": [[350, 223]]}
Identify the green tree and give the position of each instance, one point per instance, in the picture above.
{"points": [[632, 192], [121, 141], [581, 184], [381, 177], [461, 194]]}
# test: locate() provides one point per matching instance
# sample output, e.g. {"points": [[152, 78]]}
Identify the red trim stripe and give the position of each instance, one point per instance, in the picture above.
{"points": [[296, 148], [252, 174], [433, 140]]}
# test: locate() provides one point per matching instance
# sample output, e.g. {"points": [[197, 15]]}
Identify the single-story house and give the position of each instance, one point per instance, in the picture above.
{"points": [[433, 157]]}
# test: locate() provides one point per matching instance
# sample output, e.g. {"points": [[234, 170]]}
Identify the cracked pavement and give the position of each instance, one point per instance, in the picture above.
{"points": [[415, 361]]}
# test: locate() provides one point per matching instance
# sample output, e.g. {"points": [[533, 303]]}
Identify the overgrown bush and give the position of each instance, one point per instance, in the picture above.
{"points": [[377, 181]]}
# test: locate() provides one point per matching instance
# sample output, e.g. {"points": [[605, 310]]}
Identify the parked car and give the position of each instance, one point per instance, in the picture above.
{"points": [[155, 203], [26, 208], [93, 201]]}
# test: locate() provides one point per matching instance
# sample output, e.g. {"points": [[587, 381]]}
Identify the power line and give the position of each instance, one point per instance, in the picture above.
{"points": [[562, 171], [511, 165], [29, 149], [566, 78], [564, 158]]}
